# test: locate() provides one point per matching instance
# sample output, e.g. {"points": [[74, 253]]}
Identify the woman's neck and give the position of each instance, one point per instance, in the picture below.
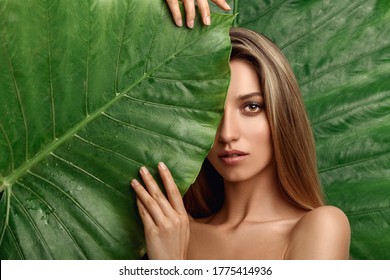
{"points": [[255, 200]]}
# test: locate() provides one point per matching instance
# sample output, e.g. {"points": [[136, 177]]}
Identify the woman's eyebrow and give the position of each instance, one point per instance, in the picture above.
{"points": [[249, 95]]}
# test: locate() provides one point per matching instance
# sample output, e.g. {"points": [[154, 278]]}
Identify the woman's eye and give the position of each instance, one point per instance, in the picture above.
{"points": [[253, 108]]}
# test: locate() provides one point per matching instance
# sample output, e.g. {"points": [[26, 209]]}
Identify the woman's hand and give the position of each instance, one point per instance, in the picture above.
{"points": [[166, 222], [189, 6]]}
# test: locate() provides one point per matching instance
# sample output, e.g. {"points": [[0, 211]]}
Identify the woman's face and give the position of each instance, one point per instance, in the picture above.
{"points": [[242, 149]]}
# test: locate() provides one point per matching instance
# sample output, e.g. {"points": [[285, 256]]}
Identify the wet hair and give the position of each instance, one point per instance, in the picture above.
{"points": [[292, 137]]}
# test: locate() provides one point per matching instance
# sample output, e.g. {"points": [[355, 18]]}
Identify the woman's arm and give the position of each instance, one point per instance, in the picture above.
{"points": [[166, 222], [189, 6], [323, 233]]}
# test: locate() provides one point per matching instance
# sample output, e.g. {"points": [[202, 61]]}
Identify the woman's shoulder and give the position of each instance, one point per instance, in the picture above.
{"points": [[324, 214], [322, 233]]}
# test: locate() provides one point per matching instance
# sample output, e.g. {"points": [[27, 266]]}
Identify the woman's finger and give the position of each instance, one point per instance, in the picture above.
{"points": [[189, 6], [150, 204], [149, 181], [204, 10], [147, 220], [173, 193], [155, 191], [175, 11], [222, 4]]}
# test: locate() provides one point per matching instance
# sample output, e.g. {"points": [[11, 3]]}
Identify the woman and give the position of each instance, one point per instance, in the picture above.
{"points": [[258, 195]]}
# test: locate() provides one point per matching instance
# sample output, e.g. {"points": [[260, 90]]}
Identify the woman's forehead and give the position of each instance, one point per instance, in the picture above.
{"points": [[244, 80]]}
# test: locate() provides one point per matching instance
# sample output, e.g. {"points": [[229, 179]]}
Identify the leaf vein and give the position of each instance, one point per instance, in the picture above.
{"points": [[184, 80], [16, 243], [98, 112], [11, 151], [159, 134], [51, 88], [115, 153], [280, 3], [86, 82], [162, 105], [342, 112], [331, 17], [56, 216], [111, 188], [7, 194], [82, 209], [151, 45], [34, 226], [17, 91], [353, 162], [365, 211], [116, 82], [339, 66], [149, 73]]}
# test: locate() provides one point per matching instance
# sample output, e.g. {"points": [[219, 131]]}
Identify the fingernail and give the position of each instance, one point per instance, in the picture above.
{"points": [[162, 165], [179, 22], [207, 20], [190, 24], [144, 170], [134, 182]]}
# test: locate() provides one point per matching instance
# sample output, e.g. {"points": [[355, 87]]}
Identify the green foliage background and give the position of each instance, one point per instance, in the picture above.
{"points": [[340, 53], [90, 92]]}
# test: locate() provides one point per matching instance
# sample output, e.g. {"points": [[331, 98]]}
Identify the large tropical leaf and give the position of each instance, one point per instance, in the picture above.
{"points": [[89, 92], [340, 52]]}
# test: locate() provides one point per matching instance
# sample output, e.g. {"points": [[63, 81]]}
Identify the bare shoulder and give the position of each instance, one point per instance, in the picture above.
{"points": [[322, 233]]}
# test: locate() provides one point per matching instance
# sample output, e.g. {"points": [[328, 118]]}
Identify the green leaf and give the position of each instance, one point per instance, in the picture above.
{"points": [[340, 53], [90, 91]]}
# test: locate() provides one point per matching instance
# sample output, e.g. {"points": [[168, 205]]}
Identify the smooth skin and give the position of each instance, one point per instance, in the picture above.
{"points": [[189, 7], [165, 220], [255, 221]]}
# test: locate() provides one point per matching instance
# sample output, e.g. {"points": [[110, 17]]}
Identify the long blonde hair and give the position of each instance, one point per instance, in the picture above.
{"points": [[292, 137]]}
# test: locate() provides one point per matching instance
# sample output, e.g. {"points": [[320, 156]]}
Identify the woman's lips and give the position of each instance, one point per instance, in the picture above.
{"points": [[232, 156]]}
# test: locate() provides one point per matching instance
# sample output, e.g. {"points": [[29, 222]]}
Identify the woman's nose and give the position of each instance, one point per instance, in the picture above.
{"points": [[228, 128]]}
